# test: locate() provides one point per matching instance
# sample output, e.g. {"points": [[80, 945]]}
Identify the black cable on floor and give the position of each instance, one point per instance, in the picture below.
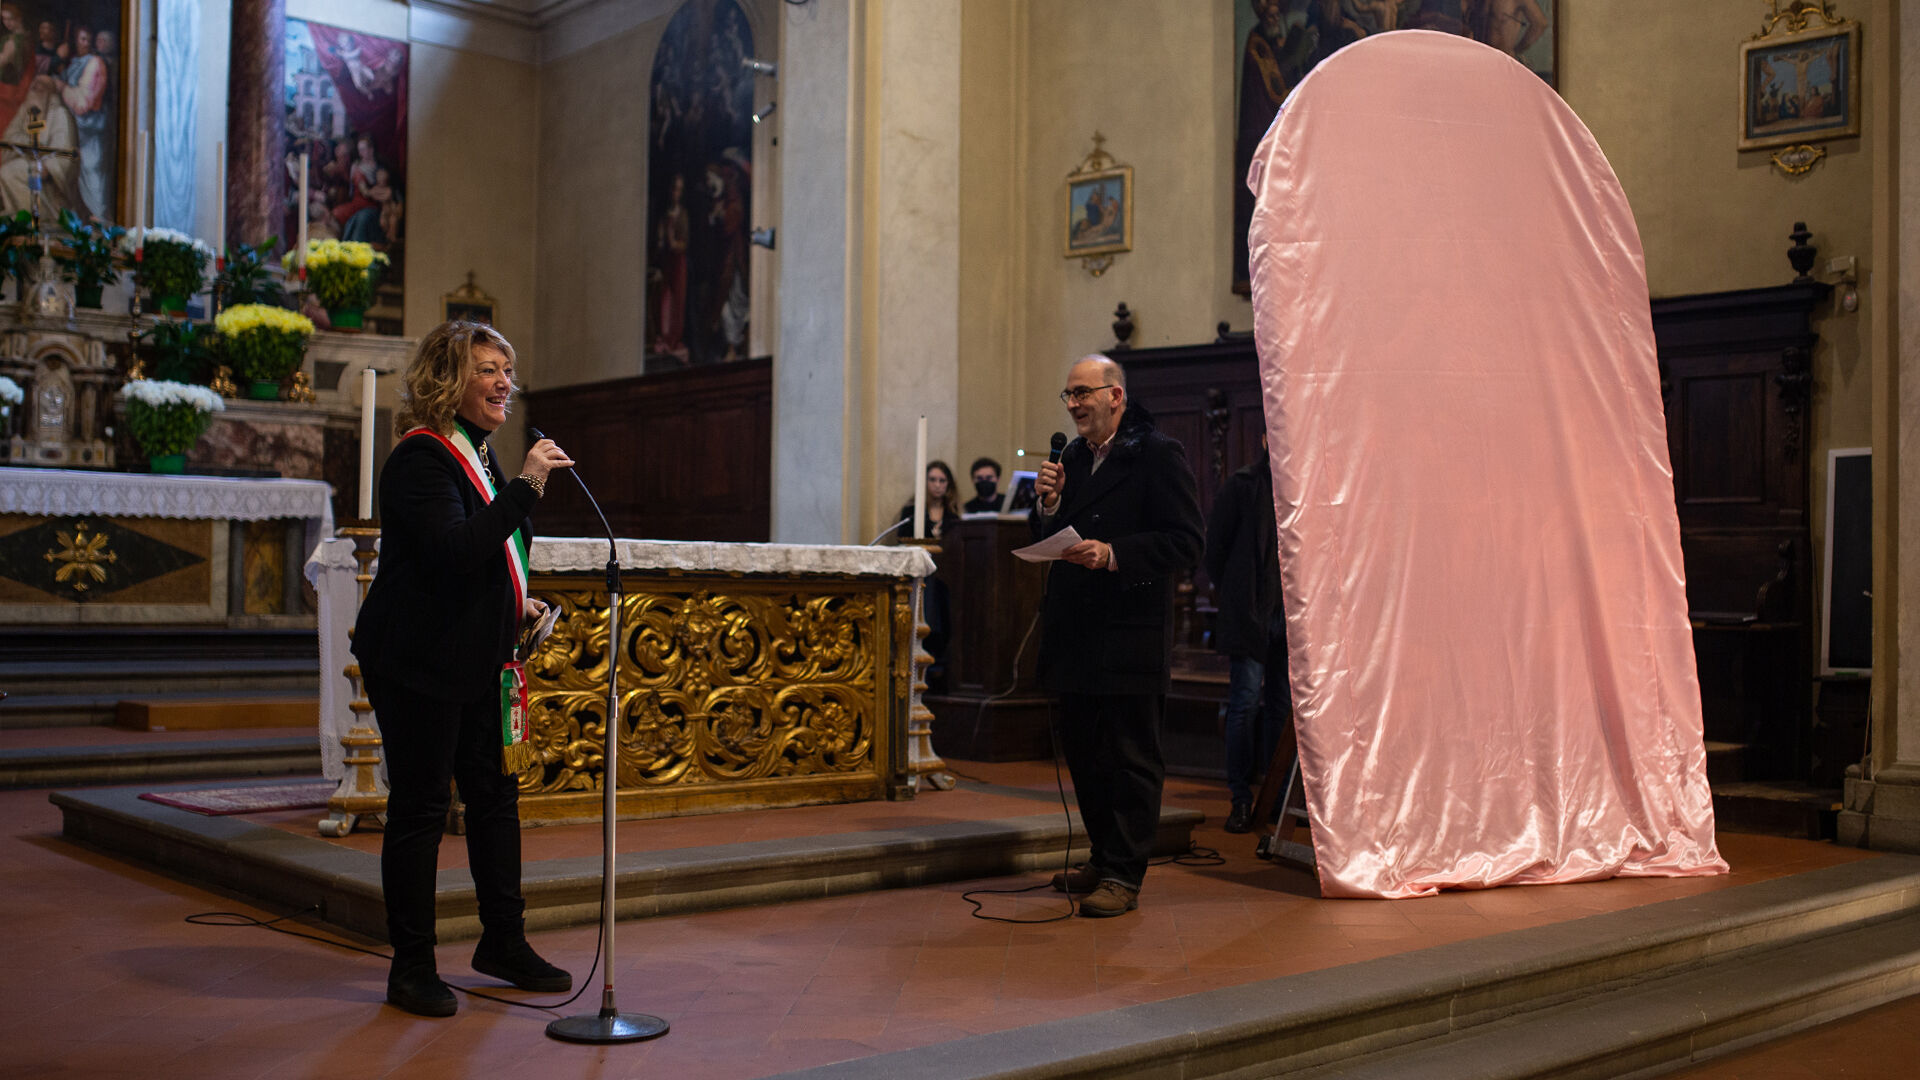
{"points": [[1066, 856], [235, 918]]}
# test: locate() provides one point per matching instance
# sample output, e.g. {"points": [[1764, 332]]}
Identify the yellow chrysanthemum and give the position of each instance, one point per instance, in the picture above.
{"points": [[243, 317]]}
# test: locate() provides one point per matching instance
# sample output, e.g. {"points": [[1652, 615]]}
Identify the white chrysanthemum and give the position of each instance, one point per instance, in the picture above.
{"points": [[159, 393], [133, 238], [10, 392]]}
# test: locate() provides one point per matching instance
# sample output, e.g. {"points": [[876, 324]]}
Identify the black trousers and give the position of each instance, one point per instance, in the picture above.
{"points": [[1112, 746], [429, 744]]}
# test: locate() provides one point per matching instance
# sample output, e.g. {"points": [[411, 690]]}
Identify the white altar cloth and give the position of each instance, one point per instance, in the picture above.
{"points": [[63, 492]]}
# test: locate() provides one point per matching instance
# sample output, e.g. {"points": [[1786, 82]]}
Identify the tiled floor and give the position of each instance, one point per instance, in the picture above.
{"points": [[108, 980], [1878, 1044]]}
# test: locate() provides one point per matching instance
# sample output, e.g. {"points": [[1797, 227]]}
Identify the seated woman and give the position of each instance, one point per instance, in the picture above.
{"points": [[433, 640]]}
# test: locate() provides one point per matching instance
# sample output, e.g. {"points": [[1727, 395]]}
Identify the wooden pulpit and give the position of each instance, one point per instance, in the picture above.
{"points": [[988, 710]]}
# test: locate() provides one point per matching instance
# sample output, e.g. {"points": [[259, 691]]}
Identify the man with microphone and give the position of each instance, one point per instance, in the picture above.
{"points": [[1106, 644]]}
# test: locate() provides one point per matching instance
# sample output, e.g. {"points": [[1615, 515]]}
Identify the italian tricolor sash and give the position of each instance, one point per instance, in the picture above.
{"points": [[516, 748]]}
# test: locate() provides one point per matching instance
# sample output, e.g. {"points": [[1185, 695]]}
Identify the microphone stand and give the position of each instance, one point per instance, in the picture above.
{"points": [[609, 1025]]}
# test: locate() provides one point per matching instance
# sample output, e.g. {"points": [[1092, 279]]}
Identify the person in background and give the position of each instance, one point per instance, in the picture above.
{"points": [[986, 488], [1243, 562], [941, 507]]}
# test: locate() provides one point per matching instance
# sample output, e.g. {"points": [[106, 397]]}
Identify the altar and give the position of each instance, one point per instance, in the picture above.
{"points": [[750, 675], [99, 548]]}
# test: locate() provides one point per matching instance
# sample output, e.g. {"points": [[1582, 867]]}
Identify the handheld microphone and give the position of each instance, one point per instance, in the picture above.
{"points": [[613, 558], [1059, 444]]}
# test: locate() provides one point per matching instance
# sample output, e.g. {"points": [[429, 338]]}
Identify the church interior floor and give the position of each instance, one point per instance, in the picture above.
{"points": [[109, 980]]}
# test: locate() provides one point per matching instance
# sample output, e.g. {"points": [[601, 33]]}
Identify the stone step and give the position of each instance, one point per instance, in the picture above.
{"points": [[206, 712], [26, 682], [1777, 808], [127, 763], [1622, 993], [299, 870], [128, 644]]}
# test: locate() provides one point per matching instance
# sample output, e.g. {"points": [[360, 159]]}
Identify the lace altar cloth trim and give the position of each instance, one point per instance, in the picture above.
{"points": [[63, 492], [560, 555]]}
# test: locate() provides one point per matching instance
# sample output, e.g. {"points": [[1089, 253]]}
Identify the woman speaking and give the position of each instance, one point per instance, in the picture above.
{"points": [[434, 639]]}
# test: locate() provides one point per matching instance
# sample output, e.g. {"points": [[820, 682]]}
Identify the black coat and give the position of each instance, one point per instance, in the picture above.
{"points": [[1109, 631], [1243, 561], [995, 504], [439, 617]]}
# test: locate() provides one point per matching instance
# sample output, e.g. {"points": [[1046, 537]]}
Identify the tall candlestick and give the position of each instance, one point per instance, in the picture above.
{"points": [[220, 207], [920, 483], [140, 189], [300, 256], [366, 443]]}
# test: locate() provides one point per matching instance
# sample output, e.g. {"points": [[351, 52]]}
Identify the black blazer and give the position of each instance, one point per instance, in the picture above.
{"points": [[1109, 631], [439, 617], [1243, 560]]}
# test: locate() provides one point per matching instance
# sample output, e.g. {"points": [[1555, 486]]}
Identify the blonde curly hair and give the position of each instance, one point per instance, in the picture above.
{"points": [[436, 377]]}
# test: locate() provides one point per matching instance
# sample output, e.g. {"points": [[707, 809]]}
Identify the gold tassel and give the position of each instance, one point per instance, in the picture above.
{"points": [[518, 758]]}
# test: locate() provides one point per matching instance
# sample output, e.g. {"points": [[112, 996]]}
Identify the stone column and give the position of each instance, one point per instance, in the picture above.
{"points": [[1882, 808], [256, 122], [176, 58], [869, 248]]}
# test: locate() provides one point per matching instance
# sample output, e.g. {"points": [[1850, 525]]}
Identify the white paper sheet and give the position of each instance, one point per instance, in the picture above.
{"points": [[1049, 549]]}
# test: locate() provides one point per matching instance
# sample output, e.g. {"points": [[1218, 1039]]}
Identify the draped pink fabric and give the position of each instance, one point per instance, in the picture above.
{"points": [[1492, 668]]}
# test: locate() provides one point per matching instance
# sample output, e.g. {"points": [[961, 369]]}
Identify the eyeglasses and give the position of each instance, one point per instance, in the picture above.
{"points": [[1078, 395]]}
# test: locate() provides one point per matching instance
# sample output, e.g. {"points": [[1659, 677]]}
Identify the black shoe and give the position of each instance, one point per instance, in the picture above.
{"points": [[418, 990], [1079, 881], [513, 960], [1241, 818]]}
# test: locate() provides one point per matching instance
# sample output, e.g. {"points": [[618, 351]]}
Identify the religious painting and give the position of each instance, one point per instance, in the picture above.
{"points": [[1800, 87], [61, 88], [346, 100], [1276, 42], [1100, 212], [699, 188]]}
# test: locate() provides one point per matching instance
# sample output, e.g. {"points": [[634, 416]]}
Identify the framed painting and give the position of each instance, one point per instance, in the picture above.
{"points": [[1277, 42], [1100, 212], [1800, 87], [62, 87], [468, 303]]}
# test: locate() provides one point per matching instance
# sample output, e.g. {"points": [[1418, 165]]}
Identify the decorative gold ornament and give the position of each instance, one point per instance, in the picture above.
{"points": [[1798, 160], [81, 558], [136, 370], [1798, 14], [302, 391], [716, 688], [223, 383]]}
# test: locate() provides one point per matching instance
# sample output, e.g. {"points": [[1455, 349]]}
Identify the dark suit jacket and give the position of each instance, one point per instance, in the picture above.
{"points": [[1243, 561], [1109, 631], [439, 617]]}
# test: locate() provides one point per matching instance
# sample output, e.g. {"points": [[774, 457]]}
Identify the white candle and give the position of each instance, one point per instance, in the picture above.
{"points": [[300, 256], [366, 443], [220, 203], [920, 483], [140, 189]]}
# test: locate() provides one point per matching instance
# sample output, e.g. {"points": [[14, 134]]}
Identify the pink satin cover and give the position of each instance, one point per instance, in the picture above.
{"points": [[1493, 674]]}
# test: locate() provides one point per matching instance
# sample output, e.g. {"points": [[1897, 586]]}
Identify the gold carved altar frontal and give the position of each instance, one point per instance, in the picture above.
{"points": [[735, 693]]}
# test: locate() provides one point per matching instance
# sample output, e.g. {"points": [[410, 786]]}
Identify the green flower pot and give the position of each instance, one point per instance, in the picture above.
{"points": [[168, 463], [350, 318], [264, 390], [87, 296], [170, 305]]}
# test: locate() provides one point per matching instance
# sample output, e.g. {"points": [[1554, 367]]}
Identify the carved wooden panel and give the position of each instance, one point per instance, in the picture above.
{"points": [[680, 456]]}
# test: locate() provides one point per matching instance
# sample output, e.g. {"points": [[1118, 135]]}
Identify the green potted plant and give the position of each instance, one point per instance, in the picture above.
{"points": [[341, 274], [91, 265], [166, 418], [182, 351], [263, 344], [171, 266], [245, 279], [19, 249]]}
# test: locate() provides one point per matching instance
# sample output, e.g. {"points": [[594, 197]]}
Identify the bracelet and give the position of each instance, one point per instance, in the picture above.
{"points": [[537, 483]]}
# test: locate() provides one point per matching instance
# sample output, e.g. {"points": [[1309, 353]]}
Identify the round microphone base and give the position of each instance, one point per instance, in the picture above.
{"points": [[607, 1028]]}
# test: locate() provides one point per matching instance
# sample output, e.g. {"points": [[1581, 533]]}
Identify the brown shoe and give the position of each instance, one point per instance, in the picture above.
{"points": [[1110, 899], [1079, 881]]}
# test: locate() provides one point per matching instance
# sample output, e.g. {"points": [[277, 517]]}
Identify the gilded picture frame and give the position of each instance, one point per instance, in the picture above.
{"points": [[1099, 212], [1800, 87], [468, 303], [43, 37]]}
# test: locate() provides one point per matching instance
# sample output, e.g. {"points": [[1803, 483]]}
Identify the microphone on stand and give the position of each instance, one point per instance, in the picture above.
{"points": [[609, 1025]]}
